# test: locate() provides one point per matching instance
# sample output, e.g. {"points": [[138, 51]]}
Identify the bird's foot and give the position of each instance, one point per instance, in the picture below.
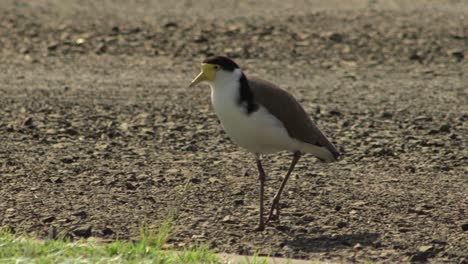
{"points": [[260, 227], [274, 211], [274, 216]]}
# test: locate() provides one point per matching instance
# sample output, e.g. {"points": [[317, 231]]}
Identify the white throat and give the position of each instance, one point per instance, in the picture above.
{"points": [[225, 88], [224, 79]]}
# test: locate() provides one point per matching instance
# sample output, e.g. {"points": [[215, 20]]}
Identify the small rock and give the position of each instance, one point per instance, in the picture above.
{"points": [[454, 136], [333, 36], [382, 151], [423, 118], [147, 131], [101, 48], [107, 231], [195, 180], [417, 210], [51, 132], [308, 218], [464, 227], [418, 257], [67, 159], [410, 169], [239, 202], [423, 253], [81, 214], [53, 46], [386, 114], [444, 128], [404, 230], [318, 109], [124, 127], [336, 37], [28, 122], [439, 241], [71, 132], [425, 249], [150, 199], [417, 56], [342, 224], [80, 41], [55, 180], [335, 113], [358, 204], [283, 228], [30, 59], [230, 219], [130, 186], [83, 231], [10, 212], [214, 180], [200, 237], [171, 25], [304, 43], [357, 246], [201, 39], [48, 219], [115, 30], [458, 36], [457, 54], [10, 128], [172, 171], [25, 50]]}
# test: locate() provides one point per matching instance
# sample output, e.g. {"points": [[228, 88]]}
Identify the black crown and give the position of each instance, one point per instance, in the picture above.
{"points": [[225, 62]]}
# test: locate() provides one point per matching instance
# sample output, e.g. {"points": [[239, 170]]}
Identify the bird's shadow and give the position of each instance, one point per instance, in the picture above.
{"points": [[331, 242]]}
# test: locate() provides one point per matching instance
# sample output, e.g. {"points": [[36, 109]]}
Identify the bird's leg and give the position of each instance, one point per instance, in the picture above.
{"points": [[261, 177], [274, 212]]}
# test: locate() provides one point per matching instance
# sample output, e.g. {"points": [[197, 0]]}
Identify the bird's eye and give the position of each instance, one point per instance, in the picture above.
{"points": [[217, 68]]}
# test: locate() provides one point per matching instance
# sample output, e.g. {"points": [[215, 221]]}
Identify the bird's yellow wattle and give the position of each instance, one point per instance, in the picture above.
{"points": [[208, 73]]}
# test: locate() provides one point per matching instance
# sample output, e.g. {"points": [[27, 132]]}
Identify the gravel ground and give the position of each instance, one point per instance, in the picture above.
{"points": [[99, 132]]}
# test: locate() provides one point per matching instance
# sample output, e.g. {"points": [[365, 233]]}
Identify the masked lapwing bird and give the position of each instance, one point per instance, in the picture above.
{"points": [[262, 118]]}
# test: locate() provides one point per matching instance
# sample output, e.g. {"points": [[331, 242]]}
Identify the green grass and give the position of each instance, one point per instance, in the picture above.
{"points": [[25, 248], [149, 249], [257, 260]]}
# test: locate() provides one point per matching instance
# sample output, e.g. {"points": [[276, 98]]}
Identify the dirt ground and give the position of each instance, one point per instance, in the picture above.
{"points": [[99, 132]]}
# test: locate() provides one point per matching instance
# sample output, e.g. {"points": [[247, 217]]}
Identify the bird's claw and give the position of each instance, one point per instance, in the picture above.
{"points": [[260, 227], [273, 217], [274, 212]]}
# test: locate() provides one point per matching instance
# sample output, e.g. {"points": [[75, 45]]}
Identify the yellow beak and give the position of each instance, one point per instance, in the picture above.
{"points": [[208, 73]]}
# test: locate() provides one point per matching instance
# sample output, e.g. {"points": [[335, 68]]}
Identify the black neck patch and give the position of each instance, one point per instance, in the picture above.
{"points": [[224, 62], [246, 97]]}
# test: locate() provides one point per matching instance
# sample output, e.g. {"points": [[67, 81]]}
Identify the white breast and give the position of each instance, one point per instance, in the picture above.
{"points": [[258, 132]]}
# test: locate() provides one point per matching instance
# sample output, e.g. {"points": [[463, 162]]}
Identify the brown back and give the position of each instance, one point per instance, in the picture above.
{"points": [[286, 108]]}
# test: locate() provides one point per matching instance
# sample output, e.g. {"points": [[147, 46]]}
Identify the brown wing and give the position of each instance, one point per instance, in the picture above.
{"points": [[286, 108]]}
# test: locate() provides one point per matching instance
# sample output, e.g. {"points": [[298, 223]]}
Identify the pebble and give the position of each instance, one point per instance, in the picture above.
{"points": [[464, 226], [107, 231], [83, 231], [342, 224]]}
